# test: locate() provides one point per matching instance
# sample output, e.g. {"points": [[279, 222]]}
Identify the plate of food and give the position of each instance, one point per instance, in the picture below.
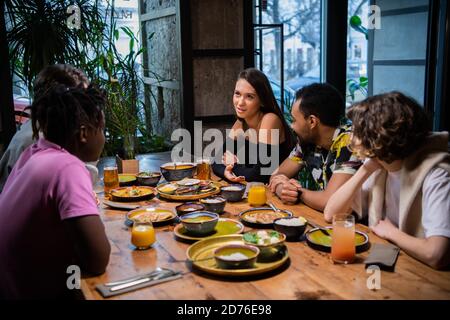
{"points": [[156, 215], [130, 194], [193, 190], [320, 241], [269, 242], [223, 227], [203, 254], [262, 217]]}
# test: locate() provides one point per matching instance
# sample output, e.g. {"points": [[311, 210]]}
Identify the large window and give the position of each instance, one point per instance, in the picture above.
{"points": [[288, 43], [357, 45]]}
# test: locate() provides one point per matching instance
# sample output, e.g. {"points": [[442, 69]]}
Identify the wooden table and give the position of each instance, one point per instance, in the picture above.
{"points": [[310, 274]]}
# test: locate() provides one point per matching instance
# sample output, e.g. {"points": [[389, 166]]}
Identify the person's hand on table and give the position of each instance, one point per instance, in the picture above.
{"points": [[384, 229], [288, 192], [229, 174], [276, 180], [229, 158]]}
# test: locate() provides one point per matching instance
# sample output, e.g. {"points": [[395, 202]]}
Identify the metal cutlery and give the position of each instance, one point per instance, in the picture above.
{"points": [[165, 273], [156, 271], [322, 229]]}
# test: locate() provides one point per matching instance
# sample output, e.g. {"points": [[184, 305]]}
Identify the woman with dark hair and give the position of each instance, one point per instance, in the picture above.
{"points": [[260, 126], [404, 184]]}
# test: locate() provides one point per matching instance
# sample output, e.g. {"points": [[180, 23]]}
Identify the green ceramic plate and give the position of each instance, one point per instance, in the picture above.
{"points": [[202, 255], [224, 227], [319, 241]]}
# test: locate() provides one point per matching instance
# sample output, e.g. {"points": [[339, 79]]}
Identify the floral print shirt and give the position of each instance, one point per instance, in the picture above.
{"points": [[322, 163]]}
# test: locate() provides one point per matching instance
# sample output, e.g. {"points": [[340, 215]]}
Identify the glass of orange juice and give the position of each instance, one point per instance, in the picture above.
{"points": [[142, 234], [110, 178], [257, 194], [343, 238]]}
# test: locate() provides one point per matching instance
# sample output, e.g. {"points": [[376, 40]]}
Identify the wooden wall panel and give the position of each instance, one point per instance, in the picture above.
{"points": [[214, 82], [217, 24]]}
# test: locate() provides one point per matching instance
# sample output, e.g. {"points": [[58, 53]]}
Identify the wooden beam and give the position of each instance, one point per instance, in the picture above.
{"points": [[158, 14], [169, 84]]}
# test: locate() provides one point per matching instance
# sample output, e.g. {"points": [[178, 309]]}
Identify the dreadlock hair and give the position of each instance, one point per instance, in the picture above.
{"points": [[61, 111], [58, 74]]}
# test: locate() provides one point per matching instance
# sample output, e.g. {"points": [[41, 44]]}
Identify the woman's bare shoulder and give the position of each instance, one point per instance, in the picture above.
{"points": [[271, 121]]}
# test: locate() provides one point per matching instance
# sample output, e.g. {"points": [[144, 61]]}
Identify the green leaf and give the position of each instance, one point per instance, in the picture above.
{"points": [[251, 237]]}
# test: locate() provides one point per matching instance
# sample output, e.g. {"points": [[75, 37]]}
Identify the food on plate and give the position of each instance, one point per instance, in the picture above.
{"points": [[145, 174], [131, 192], [153, 216], [262, 237], [233, 188], [213, 200], [292, 222], [237, 256], [169, 188], [198, 219], [186, 190], [188, 182], [263, 216]]}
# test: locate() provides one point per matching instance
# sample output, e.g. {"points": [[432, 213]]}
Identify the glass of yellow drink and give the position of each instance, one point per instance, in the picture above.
{"points": [[257, 195], [142, 235]]}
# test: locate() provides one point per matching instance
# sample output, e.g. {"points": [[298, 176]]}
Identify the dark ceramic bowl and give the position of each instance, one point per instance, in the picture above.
{"points": [[150, 179], [268, 251], [224, 256], [200, 223], [189, 207], [178, 172], [214, 204], [294, 231], [233, 192], [126, 179]]}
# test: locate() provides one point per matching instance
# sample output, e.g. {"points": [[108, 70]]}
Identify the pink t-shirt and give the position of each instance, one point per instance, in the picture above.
{"points": [[46, 186]]}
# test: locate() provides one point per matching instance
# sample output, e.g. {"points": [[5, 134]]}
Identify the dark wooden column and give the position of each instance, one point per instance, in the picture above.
{"points": [[336, 23], [7, 124]]}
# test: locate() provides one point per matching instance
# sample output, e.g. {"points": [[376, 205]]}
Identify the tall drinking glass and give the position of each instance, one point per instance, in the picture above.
{"points": [[257, 194], [110, 178], [343, 238], [204, 169]]}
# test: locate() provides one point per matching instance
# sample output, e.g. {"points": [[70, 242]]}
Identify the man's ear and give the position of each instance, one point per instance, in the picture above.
{"points": [[313, 121], [83, 134]]}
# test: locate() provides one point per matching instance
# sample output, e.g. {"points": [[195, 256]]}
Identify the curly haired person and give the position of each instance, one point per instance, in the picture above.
{"points": [[404, 184]]}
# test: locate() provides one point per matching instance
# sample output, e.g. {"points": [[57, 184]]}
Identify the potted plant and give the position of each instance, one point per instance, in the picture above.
{"points": [[123, 88]]}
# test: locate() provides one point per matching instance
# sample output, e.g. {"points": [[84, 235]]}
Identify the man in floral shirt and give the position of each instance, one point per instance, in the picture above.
{"points": [[322, 148]]}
